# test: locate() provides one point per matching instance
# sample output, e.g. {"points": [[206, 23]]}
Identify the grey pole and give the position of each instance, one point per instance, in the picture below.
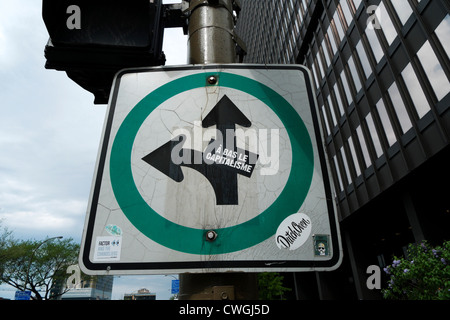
{"points": [[212, 40]]}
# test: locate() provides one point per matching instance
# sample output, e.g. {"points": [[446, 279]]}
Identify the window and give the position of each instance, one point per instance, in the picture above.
{"points": [[354, 72], [315, 77], [326, 54], [400, 108], [305, 6], [325, 119], [355, 159], [362, 143], [386, 24], [313, 69], [374, 135], [403, 10], [346, 11], [346, 88], [338, 26], [330, 107], [298, 22], [415, 91], [364, 59], [442, 31], [356, 4], [319, 63], [344, 160], [386, 122], [331, 41], [338, 98], [374, 44], [434, 71], [338, 174]]}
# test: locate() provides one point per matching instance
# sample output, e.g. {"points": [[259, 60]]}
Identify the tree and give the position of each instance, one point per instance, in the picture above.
{"points": [[270, 285], [38, 266], [423, 275]]}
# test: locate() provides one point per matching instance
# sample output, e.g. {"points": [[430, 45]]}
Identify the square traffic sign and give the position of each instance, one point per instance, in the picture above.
{"points": [[210, 169]]}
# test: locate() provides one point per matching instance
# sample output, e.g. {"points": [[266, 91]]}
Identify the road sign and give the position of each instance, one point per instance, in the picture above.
{"points": [[22, 295], [175, 286], [210, 169]]}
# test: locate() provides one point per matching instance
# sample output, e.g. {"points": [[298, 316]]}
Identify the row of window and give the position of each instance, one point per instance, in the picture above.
{"points": [[277, 30], [289, 15], [349, 85], [274, 33], [429, 62]]}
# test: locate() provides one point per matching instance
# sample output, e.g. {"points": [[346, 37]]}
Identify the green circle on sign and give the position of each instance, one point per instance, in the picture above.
{"points": [[230, 239]]}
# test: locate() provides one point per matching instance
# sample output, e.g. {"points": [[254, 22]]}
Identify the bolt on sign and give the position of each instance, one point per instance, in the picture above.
{"points": [[211, 169]]}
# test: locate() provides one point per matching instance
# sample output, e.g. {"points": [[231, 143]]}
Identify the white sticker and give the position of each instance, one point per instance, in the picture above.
{"points": [[107, 248], [113, 230], [293, 231]]}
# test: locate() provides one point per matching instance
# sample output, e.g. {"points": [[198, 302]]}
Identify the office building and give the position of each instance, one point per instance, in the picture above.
{"points": [[141, 294], [91, 288], [381, 73]]}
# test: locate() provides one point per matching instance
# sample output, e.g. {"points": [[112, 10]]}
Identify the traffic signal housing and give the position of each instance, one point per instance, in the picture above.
{"points": [[91, 40]]}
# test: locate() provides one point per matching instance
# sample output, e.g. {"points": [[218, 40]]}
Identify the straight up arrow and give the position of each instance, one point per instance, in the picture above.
{"points": [[225, 115]]}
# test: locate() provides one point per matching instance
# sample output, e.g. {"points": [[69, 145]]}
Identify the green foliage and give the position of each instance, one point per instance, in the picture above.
{"points": [[423, 275], [33, 265], [270, 285]]}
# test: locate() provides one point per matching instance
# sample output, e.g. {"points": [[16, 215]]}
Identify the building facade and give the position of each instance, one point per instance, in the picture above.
{"points": [[141, 294], [381, 71], [91, 288]]}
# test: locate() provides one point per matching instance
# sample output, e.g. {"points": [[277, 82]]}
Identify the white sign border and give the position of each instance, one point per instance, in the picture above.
{"points": [[112, 267]]}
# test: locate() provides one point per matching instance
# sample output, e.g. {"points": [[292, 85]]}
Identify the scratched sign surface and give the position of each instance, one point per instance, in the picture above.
{"points": [[211, 169]]}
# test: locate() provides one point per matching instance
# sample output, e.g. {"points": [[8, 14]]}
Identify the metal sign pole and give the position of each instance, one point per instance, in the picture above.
{"points": [[212, 40]]}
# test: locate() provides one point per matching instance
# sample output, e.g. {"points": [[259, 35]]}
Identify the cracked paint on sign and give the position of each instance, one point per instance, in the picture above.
{"points": [[185, 211]]}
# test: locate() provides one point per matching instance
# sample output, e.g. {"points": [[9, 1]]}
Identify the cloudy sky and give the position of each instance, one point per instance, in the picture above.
{"points": [[49, 138]]}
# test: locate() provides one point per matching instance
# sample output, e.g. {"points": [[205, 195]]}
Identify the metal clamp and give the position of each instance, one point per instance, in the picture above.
{"points": [[230, 6]]}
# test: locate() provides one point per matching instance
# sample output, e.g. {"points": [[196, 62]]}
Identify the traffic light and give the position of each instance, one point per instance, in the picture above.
{"points": [[91, 40]]}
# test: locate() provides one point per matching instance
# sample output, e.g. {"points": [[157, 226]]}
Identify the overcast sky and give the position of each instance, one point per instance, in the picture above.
{"points": [[49, 138]]}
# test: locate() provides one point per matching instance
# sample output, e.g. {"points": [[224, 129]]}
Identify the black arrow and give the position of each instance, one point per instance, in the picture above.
{"points": [[170, 157], [161, 159], [225, 115]]}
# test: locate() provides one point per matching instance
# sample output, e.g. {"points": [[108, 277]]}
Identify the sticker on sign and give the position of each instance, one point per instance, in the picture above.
{"points": [[210, 177], [293, 232], [108, 248]]}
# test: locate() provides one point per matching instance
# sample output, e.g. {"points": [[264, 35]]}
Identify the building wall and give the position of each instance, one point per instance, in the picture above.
{"points": [[91, 288], [381, 70], [141, 294]]}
